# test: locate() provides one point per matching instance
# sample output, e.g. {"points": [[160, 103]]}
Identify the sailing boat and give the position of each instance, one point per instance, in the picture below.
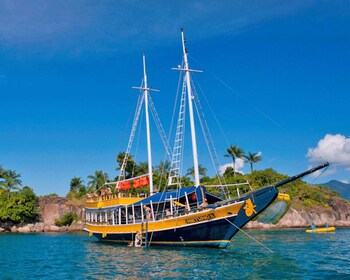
{"points": [[187, 216]]}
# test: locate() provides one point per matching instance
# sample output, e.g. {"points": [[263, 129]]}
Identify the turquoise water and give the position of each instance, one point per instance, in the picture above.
{"points": [[296, 255]]}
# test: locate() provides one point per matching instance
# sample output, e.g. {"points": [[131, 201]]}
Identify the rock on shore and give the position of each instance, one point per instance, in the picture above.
{"points": [[336, 214], [52, 208]]}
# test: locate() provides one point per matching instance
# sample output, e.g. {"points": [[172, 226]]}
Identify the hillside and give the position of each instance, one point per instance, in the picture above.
{"points": [[342, 188]]}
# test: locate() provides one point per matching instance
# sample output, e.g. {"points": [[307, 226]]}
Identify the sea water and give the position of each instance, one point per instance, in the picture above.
{"points": [[295, 255]]}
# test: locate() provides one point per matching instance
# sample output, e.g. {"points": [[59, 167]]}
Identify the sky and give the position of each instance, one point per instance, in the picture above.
{"points": [[275, 81]]}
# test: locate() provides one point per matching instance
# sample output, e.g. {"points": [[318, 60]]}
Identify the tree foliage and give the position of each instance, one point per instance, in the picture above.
{"points": [[21, 207], [130, 164], [201, 170], [252, 158], [97, 180], [67, 219], [234, 152], [10, 181], [77, 188]]}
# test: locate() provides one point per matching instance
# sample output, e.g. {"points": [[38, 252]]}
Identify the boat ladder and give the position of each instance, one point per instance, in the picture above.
{"points": [[144, 233], [175, 165]]}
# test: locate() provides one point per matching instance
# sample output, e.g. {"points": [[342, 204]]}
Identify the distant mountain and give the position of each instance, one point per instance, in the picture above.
{"points": [[342, 188]]}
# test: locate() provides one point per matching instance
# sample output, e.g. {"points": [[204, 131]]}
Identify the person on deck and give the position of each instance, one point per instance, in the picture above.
{"points": [[204, 204], [147, 212], [167, 214]]}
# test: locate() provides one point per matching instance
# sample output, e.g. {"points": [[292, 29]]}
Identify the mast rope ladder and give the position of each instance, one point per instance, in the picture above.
{"points": [[176, 160], [131, 138]]}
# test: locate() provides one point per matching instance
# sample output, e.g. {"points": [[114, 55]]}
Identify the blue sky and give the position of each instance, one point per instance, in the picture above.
{"points": [[275, 73]]}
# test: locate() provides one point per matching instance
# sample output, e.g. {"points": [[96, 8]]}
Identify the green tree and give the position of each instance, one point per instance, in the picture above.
{"points": [[263, 178], [234, 152], [160, 175], [252, 158], [11, 181], [130, 164], [21, 207], [2, 172], [201, 170], [67, 219], [77, 189], [163, 167], [97, 180], [140, 169]]}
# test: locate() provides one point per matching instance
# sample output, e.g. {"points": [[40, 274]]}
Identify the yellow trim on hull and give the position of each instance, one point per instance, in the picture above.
{"points": [[171, 223]]}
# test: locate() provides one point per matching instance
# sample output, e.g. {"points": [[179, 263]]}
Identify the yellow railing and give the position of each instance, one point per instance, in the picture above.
{"points": [[113, 199]]}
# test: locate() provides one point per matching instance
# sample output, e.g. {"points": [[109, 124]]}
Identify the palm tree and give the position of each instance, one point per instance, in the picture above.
{"points": [[234, 152], [2, 172], [12, 181], [252, 158], [97, 180], [141, 169], [201, 170], [77, 188], [163, 168], [130, 164], [161, 174], [75, 184]]}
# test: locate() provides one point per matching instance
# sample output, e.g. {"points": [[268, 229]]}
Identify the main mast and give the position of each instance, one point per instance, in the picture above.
{"points": [[190, 106]]}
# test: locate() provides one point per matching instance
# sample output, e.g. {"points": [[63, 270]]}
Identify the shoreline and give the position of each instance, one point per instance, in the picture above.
{"points": [[79, 227], [53, 208]]}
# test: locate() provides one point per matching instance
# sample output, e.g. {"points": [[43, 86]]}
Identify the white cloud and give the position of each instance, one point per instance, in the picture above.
{"points": [[332, 148], [345, 181], [239, 166]]}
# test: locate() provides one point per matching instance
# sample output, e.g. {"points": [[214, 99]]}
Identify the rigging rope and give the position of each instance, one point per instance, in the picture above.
{"points": [[241, 97], [249, 235], [320, 174]]}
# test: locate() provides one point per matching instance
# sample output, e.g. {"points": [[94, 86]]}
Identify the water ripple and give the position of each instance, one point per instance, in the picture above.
{"points": [[296, 255]]}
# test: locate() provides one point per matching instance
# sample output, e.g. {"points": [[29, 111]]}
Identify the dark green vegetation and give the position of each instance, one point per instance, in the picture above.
{"points": [[67, 219], [20, 205], [302, 194], [17, 206]]}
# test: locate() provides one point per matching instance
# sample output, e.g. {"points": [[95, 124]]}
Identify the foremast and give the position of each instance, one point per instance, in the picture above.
{"points": [[146, 91]]}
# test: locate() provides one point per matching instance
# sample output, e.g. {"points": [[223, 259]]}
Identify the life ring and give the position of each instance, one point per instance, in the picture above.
{"points": [[193, 197]]}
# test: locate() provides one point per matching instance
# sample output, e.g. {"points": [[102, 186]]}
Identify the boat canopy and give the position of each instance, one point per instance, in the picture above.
{"points": [[194, 194]]}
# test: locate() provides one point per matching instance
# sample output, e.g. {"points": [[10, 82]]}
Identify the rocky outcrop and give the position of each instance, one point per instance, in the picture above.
{"points": [[53, 208], [336, 214]]}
